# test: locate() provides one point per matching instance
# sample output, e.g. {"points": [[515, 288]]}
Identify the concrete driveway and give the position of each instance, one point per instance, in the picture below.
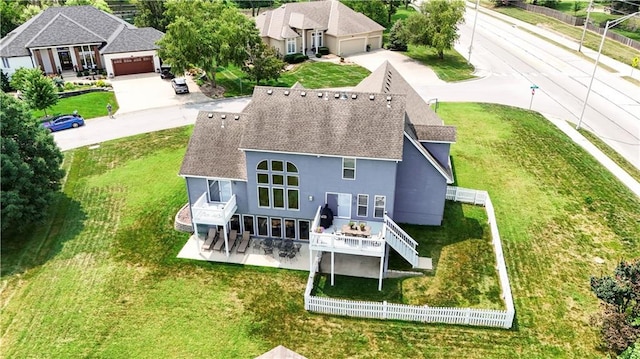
{"points": [[145, 91]]}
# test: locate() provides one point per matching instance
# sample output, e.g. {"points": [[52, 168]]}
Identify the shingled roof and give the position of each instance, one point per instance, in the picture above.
{"points": [[333, 16], [325, 122], [213, 147], [69, 25], [386, 79]]}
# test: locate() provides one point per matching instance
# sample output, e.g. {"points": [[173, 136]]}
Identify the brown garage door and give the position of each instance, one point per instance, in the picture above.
{"points": [[132, 65]]}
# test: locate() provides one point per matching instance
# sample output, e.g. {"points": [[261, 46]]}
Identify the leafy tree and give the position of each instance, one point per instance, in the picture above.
{"points": [[264, 63], [30, 11], [397, 37], [392, 7], [30, 162], [5, 85], [151, 14], [10, 12], [206, 35], [39, 92], [98, 4], [436, 24], [254, 5], [620, 294], [20, 76], [625, 7], [374, 9], [577, 6]]}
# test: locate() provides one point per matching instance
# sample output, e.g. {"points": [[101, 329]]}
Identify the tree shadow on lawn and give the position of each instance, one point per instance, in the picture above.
{"points": [[455, 228], [39, 242]]}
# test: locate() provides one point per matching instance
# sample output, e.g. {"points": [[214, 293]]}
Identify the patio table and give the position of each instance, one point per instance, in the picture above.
{"points": [[356, 232]]}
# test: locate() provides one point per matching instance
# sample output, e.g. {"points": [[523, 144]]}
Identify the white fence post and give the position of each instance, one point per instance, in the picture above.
{"points": [[384, 309]]}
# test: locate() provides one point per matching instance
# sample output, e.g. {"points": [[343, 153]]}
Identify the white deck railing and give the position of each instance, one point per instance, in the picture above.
{"points": [[461, 316], [346, 244], [217, 213], [400, 241]]}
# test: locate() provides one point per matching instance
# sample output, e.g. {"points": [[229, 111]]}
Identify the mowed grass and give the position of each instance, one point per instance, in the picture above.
{"points": [[310, 74], [454, 67], [592, 40], [612, 154], [90, 105], [101, 278], [464, 263]]}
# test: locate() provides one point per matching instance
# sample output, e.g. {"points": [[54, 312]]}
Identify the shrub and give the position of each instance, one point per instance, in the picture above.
{"points": [[69, 86], [397, 40], [295, 58], [5, 85], [323, 50], [318, 55], [101, 83]]}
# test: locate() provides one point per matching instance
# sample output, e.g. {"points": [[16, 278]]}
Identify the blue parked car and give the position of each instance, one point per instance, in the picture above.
{"points": [[63, 122]]}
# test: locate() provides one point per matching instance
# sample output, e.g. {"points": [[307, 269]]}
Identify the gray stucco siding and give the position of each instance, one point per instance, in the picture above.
{"points": [[420, 189], [439, 150], [319, 175]]}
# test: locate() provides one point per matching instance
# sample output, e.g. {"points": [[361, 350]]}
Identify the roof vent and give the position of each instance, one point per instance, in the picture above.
{"points": [[354, 96], [343, 96], [319, 94], [303, 94], [236, 117], [336, 95], [210, 115], [388, 98], [286, 93], [372, 97], [269, 91], [223, 116]]}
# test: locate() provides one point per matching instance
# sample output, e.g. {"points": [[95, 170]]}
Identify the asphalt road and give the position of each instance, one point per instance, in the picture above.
{"points": [[133, 123]]}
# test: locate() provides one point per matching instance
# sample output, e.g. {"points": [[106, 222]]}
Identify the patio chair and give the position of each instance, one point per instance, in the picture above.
{"points": [[246, 237], [257, 244], [211, 238], [233, 237]]}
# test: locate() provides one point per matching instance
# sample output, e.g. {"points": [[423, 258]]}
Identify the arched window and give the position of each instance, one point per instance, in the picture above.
{"points": [[278, 185]]}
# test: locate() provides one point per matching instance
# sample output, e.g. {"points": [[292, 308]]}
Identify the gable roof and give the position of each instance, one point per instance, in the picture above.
{"points": [[280, 352], [325, 122], [68, 25], [333, 16], [127, 40], [213, 147]]}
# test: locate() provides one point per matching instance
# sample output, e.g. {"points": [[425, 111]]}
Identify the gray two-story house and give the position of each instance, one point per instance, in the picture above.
{"points": [[375, 156]]}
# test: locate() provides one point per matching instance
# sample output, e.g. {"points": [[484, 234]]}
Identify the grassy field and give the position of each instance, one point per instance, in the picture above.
{"points": [[90, 105], [310, 74], [592, 40], [464, 272], [612, 154], [454, 67], [101, 278]]}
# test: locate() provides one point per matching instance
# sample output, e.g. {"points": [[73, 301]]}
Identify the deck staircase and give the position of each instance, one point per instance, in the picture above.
{"points": [[400, 241]]}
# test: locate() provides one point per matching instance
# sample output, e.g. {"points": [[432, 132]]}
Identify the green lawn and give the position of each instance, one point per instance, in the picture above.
{"points": [[592, 40], [101, 277], [612, 154], [90, 105], [454, 67], [310, 74]]}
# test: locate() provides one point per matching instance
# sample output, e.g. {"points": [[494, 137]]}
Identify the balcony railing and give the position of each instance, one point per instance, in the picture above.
{"points": [[214, 213], [347, 244]]}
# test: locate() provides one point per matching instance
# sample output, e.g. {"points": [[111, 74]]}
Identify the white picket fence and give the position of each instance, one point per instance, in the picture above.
{"points": [[393, 311]]}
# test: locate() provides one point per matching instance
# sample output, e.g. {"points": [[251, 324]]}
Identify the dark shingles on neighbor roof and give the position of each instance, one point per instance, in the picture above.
{"points": [[129, 40], [343, 126], [43, 31], [213, 149]]}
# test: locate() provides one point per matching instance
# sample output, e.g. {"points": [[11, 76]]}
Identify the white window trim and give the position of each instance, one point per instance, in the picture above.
{"points": [[298, 229], [291, 41], [283, 166], [286, 197], [258, 226], [354, 168], [295, 228], [253, 220], [384, 199], [271, 227], [258, 195], [358, 205]]}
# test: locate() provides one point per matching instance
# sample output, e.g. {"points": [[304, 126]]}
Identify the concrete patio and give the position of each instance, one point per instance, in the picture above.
{"points": [[350, 265]]}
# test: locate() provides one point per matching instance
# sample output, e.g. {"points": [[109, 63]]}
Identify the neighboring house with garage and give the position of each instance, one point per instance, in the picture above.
{"points": [[301, 27], [73, 38]]}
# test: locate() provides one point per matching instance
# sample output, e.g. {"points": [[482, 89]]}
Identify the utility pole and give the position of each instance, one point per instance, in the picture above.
{"points": [[586, 22], [475, 20]]}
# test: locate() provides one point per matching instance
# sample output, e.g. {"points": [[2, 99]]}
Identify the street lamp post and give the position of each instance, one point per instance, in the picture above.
{"points": [[586, 22], [475, 20], [610, 23]]}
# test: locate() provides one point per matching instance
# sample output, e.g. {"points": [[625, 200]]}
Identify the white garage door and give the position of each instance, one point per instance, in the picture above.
{"points": [[351, 46], [374, 42]]}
